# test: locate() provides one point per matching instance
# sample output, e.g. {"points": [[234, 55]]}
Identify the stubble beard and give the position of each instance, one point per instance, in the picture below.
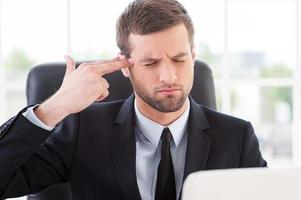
{"points": [[170, 103]]}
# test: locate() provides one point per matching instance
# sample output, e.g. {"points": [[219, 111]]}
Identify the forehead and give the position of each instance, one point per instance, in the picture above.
{"points": [[168, 41]]}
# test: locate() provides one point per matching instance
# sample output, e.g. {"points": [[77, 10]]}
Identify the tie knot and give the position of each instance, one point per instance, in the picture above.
{"points": [[166, 136]]}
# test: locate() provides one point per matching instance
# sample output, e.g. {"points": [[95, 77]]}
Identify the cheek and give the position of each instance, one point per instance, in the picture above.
{"points": [[186, 73], [141, 74]]}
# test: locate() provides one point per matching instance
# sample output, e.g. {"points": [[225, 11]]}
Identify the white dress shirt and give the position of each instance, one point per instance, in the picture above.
{"points": [[148, 151]]}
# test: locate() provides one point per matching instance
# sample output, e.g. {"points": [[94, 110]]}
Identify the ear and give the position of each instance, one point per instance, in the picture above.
{"points": [[126, 72]]}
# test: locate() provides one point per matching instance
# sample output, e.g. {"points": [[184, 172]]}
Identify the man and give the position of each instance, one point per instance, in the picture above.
{"points": [[114, 150]]}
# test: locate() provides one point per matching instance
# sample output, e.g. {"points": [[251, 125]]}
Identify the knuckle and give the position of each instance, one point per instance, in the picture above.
{"points": [[104, 82], [84, 67], [105, 94]]}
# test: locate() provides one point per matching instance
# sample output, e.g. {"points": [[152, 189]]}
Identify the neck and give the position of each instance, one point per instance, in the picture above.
{"points": [[163, 118]]}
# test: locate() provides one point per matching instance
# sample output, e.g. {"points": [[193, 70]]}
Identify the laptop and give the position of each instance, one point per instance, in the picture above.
{"points": [[244, 184]]}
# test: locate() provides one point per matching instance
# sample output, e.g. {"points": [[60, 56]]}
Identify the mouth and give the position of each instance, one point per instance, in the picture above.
{"points": [[168, 90]]}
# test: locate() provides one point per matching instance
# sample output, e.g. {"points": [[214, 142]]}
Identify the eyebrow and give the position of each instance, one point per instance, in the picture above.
{"points": [[180, 55], [150, 60]]}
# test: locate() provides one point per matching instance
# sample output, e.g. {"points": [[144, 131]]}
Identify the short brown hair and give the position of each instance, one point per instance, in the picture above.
{"points": [[149, 16]]}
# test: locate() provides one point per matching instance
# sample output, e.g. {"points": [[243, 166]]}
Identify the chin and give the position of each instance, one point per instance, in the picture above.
{"points": [[169, 104]]}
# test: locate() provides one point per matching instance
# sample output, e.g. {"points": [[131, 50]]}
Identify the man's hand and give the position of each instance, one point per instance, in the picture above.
{"points": [[80, 88]]}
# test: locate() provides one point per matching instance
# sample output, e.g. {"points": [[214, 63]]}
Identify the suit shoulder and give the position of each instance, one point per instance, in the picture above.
{"points": [[216, 118], [233, 138]]}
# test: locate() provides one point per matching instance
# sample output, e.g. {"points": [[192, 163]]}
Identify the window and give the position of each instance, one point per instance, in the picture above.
{"points": [[32, 31], [260, 65]]}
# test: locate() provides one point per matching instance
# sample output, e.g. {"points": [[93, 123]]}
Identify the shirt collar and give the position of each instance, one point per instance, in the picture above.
{"points": [[152, 130]]}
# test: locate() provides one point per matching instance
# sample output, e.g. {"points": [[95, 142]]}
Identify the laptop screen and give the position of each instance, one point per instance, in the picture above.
{"points": [[244, 184]]}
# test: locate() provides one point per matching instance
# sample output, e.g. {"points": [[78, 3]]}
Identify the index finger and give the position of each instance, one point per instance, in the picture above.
{"points": [[109, 67], [98, 62]]}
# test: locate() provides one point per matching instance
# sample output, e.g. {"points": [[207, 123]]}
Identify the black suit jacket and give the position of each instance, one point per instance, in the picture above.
{"points": [[95, 151]]}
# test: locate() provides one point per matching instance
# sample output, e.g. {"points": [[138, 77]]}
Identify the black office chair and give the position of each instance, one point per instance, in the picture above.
{"points": [[45, 79]]}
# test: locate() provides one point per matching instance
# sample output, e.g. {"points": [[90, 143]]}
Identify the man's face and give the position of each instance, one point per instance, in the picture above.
{"points": [[162, 74]]}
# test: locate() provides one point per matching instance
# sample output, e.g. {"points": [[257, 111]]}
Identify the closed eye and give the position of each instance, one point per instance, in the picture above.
{"points": [[150, 64], [179, 61]]}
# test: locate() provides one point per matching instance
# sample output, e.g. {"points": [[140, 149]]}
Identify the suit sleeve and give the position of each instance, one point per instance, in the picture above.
{"points": [[251, 155], [32, 158]]}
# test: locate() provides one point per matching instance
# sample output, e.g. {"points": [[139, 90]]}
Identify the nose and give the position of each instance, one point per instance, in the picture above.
{"points": [[168, 73]]}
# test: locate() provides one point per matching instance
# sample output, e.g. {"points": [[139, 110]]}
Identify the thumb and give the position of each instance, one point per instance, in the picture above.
{"points": [[70, 64]]}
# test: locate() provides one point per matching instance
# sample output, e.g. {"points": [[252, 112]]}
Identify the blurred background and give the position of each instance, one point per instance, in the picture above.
{"points": [[252, 46]]}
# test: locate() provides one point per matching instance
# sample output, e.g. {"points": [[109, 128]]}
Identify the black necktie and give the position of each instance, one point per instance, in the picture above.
{"points": [[166, 187]]}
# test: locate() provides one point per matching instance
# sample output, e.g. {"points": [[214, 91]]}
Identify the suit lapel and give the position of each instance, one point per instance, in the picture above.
{"points": [[198, 144], [123, 146]]}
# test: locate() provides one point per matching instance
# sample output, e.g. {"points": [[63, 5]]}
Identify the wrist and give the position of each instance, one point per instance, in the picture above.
{"points": [[50, 113]]}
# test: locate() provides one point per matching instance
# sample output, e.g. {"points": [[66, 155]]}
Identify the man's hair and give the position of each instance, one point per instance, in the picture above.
{"points": [[149, 16]]}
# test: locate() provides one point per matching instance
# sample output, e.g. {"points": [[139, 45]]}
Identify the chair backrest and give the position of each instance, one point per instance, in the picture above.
{"points": [[45, 79]]}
